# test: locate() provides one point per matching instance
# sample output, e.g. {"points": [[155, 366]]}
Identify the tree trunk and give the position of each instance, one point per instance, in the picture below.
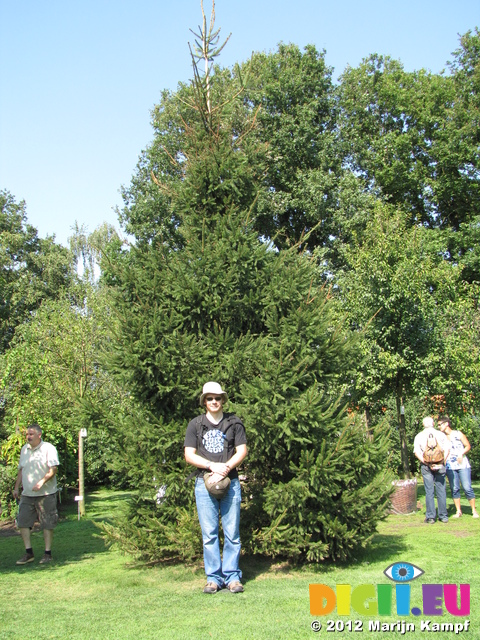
{"points": [[368, 422], [403, 432]]}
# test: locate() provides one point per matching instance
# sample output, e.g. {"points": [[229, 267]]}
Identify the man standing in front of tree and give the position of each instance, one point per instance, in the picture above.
{"points": [[37, 472], [216, 442]]}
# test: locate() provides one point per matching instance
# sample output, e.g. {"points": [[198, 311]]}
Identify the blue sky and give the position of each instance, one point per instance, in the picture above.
{"points": [[78, 79]]}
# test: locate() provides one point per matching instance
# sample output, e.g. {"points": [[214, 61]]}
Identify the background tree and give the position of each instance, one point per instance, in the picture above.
{"points": [[388, 121], [456, 364], [414, 136], [31, 268], [296, 123], [387, 293], [411, 139], [52, 374], [457, 184]]}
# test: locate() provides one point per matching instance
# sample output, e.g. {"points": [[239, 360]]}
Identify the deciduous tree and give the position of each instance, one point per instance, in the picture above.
{"points": [[32, 269]]}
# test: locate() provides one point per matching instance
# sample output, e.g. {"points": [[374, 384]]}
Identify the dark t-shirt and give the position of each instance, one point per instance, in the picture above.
{"points": [[229, 433]]}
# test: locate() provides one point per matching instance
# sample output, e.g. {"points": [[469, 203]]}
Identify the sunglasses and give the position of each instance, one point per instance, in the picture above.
{"points": [[217, 398]]}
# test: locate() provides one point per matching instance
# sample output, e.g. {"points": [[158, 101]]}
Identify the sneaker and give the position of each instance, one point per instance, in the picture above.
{"points": [[28, 557], [443, 519], [458, 515], [235, 587], [475, 515], [429, 520], [46, 558], [211, 587]]}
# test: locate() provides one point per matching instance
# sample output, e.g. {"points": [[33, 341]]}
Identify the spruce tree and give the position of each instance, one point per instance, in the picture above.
{"points": [[211, 300]]}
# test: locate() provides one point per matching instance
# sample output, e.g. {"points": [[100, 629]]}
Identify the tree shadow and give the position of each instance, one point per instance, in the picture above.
{"points": [[73, 541], [79, 540], [382, 548]]}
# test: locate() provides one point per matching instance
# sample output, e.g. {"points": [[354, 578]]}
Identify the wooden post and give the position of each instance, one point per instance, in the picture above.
{"points": [[403, 433], [81, 474]]}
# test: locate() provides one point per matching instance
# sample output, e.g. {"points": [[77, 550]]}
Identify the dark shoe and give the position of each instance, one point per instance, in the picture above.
{"points": [[211, 587], [46, 558], [429, 520], [235, 587], [28, 557]]}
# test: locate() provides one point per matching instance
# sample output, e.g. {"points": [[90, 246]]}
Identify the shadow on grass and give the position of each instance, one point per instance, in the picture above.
{"points": [[383, 547], [466, 508], [74, 540], [80, 540]]}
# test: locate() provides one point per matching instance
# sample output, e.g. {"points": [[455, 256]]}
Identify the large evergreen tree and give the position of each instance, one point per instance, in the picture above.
{"points": [[301, 185], [206, 298]]}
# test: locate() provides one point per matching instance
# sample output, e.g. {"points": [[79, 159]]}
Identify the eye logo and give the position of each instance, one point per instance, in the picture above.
{"points": [[403, 572]]}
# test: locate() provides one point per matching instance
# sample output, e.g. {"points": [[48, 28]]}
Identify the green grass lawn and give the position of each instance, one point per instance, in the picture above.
{"points": [[90, 592]]}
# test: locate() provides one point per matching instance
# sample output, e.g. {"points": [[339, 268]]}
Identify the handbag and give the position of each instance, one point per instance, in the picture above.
{"points": [[216, 489]]}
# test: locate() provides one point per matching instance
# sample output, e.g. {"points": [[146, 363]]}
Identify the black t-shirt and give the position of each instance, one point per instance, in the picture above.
{"points": [[229, 433]]}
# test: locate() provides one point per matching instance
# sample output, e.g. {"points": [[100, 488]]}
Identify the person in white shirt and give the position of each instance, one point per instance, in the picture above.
{"points": [[427, 443], [37, 472], [458, 466]]}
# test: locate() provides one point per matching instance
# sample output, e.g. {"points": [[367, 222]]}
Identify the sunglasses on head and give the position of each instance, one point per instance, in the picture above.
{"points": [[217, 398]]}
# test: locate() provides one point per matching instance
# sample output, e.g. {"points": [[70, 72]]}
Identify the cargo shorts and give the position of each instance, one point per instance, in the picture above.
{"points": [[41, 508]]}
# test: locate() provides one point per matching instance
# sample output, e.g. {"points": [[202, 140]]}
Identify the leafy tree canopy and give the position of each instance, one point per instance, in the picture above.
{"points": [[31, 268]]}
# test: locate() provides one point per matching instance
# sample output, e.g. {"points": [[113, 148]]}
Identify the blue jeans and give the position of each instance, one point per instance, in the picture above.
{"points": [[434, 482], [209, 509], [463, 476]]}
